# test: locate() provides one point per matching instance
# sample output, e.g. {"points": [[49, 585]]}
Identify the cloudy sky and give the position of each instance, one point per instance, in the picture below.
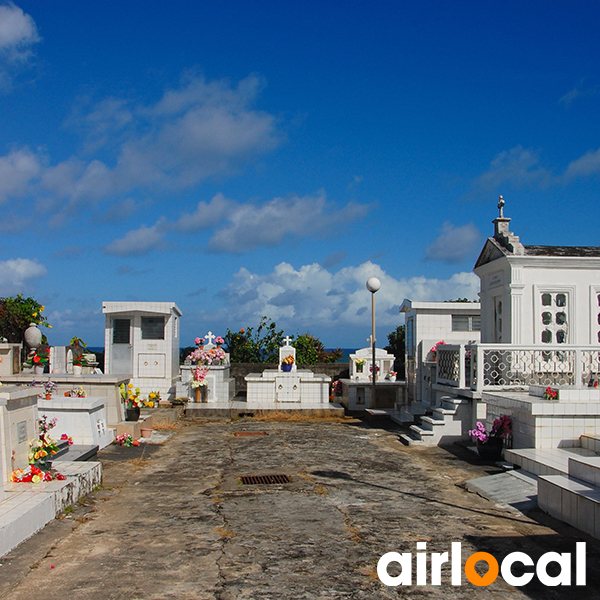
{"points": [[266, 158]]}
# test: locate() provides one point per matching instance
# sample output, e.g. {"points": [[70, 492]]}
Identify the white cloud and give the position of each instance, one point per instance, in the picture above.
{"points": [[519, 167], [16, 274], [18, 33], [193, 132], [251, 226], [311, 297], [17, 170], [139, 241], [454, 244], [588, 164], [206, 214]]}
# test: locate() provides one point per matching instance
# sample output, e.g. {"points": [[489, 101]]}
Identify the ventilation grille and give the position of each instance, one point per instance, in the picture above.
{"points": [[264, 479]]}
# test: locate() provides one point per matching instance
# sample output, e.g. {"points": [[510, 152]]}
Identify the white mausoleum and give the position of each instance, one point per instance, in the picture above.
{"points": [[428, 323], [142, 340], [538, 294]]}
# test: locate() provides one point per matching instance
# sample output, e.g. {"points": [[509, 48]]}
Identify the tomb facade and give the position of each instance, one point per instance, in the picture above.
{"points": [[280, 388], [142, 340]]}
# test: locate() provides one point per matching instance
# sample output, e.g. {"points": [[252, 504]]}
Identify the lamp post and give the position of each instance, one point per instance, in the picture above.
{"points": [[373, 284]]}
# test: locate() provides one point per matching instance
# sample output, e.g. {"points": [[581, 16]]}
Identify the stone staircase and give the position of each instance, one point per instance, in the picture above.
{"points": [[568, 481], [445, 425], [574, 496]]}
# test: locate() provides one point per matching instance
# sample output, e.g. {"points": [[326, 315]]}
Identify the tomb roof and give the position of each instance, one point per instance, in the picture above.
{"points": [[577, 251]]}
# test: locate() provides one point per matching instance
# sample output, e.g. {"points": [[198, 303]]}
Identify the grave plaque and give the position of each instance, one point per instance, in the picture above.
{"points": [[22, 431]]}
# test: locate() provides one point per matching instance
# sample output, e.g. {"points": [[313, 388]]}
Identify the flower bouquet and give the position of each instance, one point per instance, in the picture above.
{"points": [[153, 399], [360, 364], [133, 402], [550, 394], [434, 349], [391, 375], [126, 440], [44, 446], [33, 474], [199, 383], [77, 392]]}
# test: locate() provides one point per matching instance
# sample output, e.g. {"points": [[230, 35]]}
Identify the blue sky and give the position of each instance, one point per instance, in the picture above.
{"points": [[266, 158]]}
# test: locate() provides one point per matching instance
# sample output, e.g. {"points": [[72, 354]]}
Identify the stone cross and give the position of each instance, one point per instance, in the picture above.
{"points": [[287, 339], [501, 204], [210, 337]]}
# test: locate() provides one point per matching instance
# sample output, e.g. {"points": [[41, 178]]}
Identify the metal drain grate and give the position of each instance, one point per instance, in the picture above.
{"points": [[264, 479], [249, 433]]}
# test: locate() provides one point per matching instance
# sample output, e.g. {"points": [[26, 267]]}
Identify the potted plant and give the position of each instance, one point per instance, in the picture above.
{"points": [[287, 363], [360, 364], [50, 387], [44, 447], [38, 359], [133, 402], [550, 394], [199, 383], [376, 372], [391, 375], [490, 444], [78, 363]]}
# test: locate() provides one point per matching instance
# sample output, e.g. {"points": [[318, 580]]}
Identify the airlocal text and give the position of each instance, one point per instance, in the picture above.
{"points": [[437, 559]]}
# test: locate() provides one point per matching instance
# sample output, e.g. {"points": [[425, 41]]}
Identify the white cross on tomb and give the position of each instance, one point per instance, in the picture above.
{"points": [[210, 337], [287, 339]]}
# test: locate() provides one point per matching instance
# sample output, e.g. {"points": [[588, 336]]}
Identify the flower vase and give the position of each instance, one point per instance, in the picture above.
{"points": [[132, 414], [76, 369], [43, 465], [39, 369], [198, 394], [490, 450], [204, 393], [33, 336], [286, 368], [48, 396]]}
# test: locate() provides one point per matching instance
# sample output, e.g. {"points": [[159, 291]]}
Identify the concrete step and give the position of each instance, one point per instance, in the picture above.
{"points": [[409, 440], [421, 433], [429, 423], [544, 461], [570, 500]]}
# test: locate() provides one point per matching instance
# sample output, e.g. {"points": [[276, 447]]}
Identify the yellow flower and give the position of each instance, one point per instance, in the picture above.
{"points": [[49, 326], [34, 314], [130, 386], [41, 309], [36, 479]]}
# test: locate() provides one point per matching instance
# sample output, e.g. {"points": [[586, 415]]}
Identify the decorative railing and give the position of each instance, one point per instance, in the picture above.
{"points": [[506, 366]]}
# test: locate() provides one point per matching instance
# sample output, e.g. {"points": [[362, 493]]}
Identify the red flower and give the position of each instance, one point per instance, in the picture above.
{"points": [[36, 359]]}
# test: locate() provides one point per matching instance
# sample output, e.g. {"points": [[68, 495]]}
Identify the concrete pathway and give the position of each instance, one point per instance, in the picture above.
{"points": [[177, 523]]}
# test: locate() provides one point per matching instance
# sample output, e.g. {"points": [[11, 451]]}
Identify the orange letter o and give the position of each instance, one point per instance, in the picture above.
{"points": [[473, 576]]}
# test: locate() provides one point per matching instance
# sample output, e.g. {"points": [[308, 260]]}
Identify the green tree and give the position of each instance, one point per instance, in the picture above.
{"points": [[307, 349], [16, 314], [397, 347], [310, 350], [260, 345]]}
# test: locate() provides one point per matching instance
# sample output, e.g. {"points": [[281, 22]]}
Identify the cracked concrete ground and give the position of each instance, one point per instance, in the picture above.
{"points": [[174, 521]]}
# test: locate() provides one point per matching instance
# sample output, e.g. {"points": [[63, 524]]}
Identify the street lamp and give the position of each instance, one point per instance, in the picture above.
{"points": [[373, 284]]}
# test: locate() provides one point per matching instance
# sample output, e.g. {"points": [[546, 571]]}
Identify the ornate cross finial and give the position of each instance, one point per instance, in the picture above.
{"points": [[210, 337], [501, 207], [287, 339]]}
